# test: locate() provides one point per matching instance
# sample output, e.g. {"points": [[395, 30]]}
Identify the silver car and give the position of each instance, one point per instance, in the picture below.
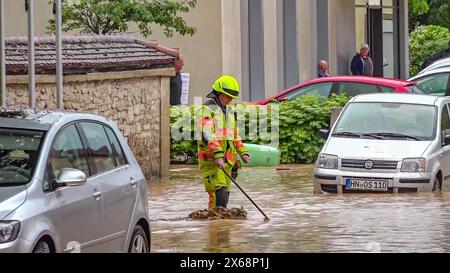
{"points": [[387, 143], [442, 63], [69, 183], [434, 82]]}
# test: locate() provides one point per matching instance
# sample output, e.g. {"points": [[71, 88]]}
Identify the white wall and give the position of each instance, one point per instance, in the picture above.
{"points": [[273, 47], [202, 53], [231, 38], [16, 18], [341, 25], [307, 39]]}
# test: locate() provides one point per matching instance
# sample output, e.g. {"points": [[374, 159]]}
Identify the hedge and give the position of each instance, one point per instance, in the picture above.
{"points": [[299, 123], [424, 42]]}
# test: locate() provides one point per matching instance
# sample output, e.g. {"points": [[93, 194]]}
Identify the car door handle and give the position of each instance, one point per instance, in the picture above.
{"points": [[97, 195], [133, 183]]}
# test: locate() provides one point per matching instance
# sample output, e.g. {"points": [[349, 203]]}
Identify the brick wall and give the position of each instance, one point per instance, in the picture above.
{"points": [[134, 103]]}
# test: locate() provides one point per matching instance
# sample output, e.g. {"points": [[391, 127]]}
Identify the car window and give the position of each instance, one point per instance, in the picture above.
{"points": [[99, 147], [117, 149], [19, 150], [414, 89], [67, 152], [445, 122], [433, 84], [386, 118], [318, 89], [386, 89], [355, 88]]}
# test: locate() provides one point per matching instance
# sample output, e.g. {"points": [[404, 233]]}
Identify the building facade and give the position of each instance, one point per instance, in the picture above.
{"points": [[278, 43], [272, 44]]}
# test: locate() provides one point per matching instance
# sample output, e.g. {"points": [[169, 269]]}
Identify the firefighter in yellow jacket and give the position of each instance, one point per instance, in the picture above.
{"points": [[219, 142]]}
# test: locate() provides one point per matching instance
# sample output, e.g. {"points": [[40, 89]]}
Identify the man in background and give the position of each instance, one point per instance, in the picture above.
{"points": [[176, 82], [322, 70]]}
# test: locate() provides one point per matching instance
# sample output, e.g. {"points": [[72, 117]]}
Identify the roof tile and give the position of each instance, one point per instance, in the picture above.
{"points": [[83, 54]]}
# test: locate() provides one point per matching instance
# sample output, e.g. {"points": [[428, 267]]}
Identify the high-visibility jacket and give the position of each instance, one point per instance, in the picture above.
{"points": [[219, 139]]}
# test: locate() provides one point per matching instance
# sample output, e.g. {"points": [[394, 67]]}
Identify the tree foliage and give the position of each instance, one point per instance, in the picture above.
{"points": [[113, 16], [418, 7], [439, 13], [417, 12], [425, 41], [429, 12]]}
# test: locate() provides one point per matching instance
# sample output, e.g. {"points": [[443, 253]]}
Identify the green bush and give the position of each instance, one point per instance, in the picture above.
{"points": [[186, 146], [299, 123], [424, 42]]}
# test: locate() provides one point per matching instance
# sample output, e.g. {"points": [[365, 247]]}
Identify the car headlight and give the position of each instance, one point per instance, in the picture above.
{"points": [[326, 161], [9, 230], [413, 165]]}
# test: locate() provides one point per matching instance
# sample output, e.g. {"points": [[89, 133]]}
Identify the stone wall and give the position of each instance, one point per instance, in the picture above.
{"points": [[134, 103]]}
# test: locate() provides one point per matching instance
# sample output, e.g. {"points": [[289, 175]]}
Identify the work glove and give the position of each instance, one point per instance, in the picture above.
{"points": [[234, 171], [245, 158], [220, 163]]}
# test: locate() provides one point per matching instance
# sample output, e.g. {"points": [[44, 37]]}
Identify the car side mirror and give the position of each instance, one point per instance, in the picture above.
{"points": [[324, 133], [447, 140], [71, 177]]}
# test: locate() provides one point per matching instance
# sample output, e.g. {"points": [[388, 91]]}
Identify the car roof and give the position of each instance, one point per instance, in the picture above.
{"points": [[431, 72], [361, 79], [41, 120], [437, 64], [400, 98]]}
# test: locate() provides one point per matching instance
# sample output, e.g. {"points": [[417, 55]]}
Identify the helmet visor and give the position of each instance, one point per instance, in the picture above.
{"points": [[231, 93]]}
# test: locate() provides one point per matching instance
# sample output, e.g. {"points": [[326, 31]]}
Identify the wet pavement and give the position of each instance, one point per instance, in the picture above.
{"points": [[300, 220]]}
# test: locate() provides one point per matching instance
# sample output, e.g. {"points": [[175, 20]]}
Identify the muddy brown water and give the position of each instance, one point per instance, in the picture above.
{"points": [[300, 221]]}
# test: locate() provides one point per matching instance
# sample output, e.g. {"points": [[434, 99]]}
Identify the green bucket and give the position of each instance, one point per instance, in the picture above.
{"points": [[261, 155]]}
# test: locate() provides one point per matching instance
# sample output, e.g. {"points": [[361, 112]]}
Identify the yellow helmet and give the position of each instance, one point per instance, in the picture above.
{"points": [[227, 85]]}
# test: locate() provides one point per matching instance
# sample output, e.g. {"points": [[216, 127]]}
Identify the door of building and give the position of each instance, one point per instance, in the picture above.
{"points": [[375, 36]]}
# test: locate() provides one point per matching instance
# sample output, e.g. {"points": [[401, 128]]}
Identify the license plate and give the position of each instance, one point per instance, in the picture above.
{"points": [[366, 185]]}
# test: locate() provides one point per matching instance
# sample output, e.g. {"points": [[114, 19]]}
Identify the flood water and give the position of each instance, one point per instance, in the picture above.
{"points": [[300, 221]]}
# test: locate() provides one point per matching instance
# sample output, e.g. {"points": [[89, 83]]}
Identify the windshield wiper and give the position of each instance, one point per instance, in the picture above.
{"points": [[347, 134], [12, 184], [395, 135], [350, 134], [373, 135]]}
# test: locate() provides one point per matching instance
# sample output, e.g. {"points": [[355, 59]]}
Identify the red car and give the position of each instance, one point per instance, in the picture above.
{"points": [[352, 85]]}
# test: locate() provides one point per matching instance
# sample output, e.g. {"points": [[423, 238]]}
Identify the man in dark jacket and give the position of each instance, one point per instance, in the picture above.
{"points": [[176, 82], [440, 55], [322, 70], [362, 63]]}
